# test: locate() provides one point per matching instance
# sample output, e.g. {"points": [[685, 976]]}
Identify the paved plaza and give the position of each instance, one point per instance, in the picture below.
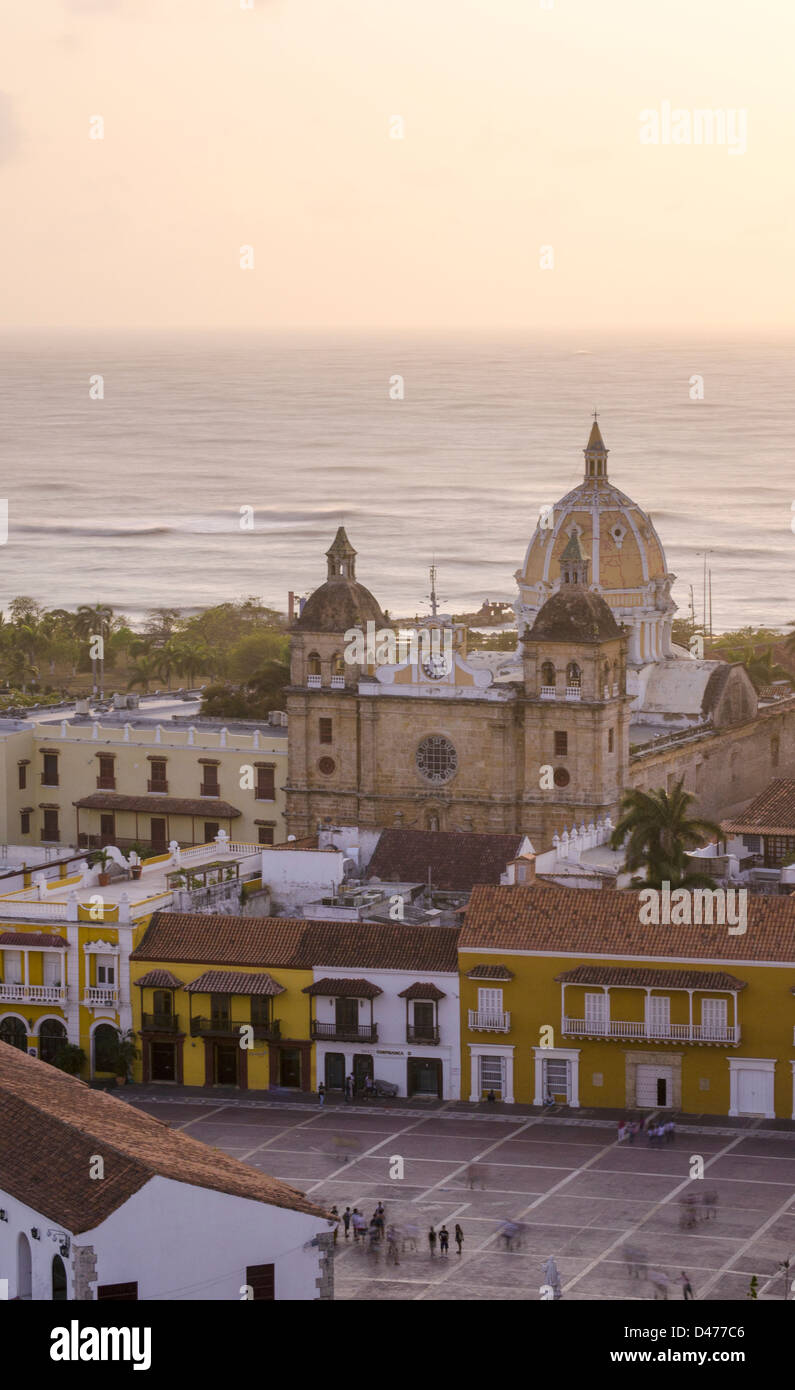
{"points": [[575, 1192]]}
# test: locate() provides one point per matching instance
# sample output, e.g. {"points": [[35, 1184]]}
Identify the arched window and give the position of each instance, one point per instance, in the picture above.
{"points": [[432, 821], [58, 1279], [548, 673], [337, 664], [106, 1038], [52, 1036], [24, 1268], [573, 674], [12, 1030], [313, 664]]}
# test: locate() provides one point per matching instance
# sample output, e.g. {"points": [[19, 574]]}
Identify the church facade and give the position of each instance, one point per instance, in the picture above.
{"points": [[595, 698]]}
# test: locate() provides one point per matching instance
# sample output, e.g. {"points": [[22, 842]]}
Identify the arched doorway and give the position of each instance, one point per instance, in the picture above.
{"points": [[58, 1279], [12, 1030], [24, 1268], [52, 1037], [106, 1039]]}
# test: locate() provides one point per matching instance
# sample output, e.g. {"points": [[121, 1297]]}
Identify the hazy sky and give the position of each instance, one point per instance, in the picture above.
{"points": [[270, 127]]}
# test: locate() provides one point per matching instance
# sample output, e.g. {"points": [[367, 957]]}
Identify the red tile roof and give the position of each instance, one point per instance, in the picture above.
{"points": [[210, 807], [38, 940], [421, 991], [770, 813], [295, 943], [158, 979], [344, 989], [456, 859], [233, 982], [651, 978], [605, 922], [53, 1124], [490, 972]]}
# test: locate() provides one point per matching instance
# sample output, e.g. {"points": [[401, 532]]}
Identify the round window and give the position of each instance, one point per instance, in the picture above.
{"points": [[437, 759], [561, 777], [327, 765]]}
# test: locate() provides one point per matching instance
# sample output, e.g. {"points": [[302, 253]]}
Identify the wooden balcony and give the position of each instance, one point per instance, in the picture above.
{"points": [[427, 1036], [705, 1033], [106, 784], [332, 1032], [222, 1026], [210, 789], [156, 784], [160, 1023]]}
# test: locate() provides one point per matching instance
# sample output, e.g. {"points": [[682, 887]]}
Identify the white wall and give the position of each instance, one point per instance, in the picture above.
{"points": [[178, 1242]]}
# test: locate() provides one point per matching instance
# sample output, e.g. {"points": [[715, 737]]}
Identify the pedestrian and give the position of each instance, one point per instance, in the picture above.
{"points": [[659, 1283], [348, 1089], [432, 1241], [410, 1237], [373, 1240], [459, 1238], [321, 1094], [346, 1221], [549, 1099], [671, 1131], [392, 1246], [444, 1241], [336, 1215], [687, 1287], [491, 1098], [359, 1224], [622, 1131], [378, 1222], [632, 1131], [552, 1277], [380, 1209]]}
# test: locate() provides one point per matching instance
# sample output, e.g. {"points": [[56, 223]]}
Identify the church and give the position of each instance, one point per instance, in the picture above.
{"points": [[595, 698]]}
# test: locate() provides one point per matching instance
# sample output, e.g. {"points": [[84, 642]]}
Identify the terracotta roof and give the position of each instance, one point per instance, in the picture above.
{"points": [[233, 982], [38, 940], [605, 922], [158, 979], [54, 1123], [209, 806], [309, 842], [770, 813], [421, 991], [654, 979], [456, 859], [490, 972], [295, 943], [344, 989]]}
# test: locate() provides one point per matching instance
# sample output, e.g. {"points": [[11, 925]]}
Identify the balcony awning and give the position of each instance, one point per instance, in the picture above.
{"points": [[210, 806], [158, 979], [490, 972], [38, 940], [420, 991], [234, 982], [344, 989], [646, 978]]}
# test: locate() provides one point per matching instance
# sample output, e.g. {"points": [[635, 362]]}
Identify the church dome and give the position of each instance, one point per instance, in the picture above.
{"points": [[342, 602], [574, 614], [337, 605]]}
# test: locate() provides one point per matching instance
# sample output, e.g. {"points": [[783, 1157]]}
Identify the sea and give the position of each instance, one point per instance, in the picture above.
{"points": [[214, 467]]}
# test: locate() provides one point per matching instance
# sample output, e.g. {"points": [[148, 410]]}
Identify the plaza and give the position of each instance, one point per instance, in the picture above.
{"points": [[573, 1190]]}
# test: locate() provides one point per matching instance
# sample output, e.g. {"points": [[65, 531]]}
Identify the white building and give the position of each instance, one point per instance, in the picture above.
{"points": [[100, 1201]]}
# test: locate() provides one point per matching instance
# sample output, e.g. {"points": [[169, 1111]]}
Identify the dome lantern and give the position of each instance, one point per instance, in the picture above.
{"points": [[595, 452]]}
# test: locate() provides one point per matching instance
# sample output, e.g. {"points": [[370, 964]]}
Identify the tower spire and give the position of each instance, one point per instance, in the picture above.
{"points": [[341, 557], [595, 452]]}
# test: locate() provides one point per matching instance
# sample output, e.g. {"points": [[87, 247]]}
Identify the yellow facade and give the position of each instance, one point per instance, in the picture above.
{"points": [[701, 1067], [207, 1043]]}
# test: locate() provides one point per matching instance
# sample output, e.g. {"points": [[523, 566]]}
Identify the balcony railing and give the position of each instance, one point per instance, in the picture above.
{"points": [[210, 789], [160, 1023], [106, 783], [33, 994], [416, 1034], [659, 1032], [337, 682], [573, 692], [488, 1022], [222, 1026], [314, 682], [548, 692], [156, 784], [367, 1032], [100, 994]]}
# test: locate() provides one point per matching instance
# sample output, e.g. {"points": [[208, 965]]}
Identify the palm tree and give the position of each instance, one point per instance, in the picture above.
{"points": [[144, 671], [20, 670], [190, 655], [91, 621], [659, 831], [761, 667]]}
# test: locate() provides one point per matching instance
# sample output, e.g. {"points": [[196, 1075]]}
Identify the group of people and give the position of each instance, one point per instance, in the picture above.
{"points": [[656, 1133], [638, 1267], [366, 1088], [375, 1234], [698, 1207]]}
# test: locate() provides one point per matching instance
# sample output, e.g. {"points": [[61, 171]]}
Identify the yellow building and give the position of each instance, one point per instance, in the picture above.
{"points": [[566, 994], [66, 941], [125, 783]]}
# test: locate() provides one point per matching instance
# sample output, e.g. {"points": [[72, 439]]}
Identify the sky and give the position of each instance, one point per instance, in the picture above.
{"points": [[270, 127]]}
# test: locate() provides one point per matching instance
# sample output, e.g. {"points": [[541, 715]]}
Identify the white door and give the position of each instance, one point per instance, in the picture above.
{"points": [[653, 1087], [596, 1013], [557, 1079], [658, 1016], [714, 1021], [12, 967], [754, 1092], [52, 968]]}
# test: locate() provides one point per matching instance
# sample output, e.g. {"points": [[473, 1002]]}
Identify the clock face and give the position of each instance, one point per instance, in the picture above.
{"points": [[435, 667]]}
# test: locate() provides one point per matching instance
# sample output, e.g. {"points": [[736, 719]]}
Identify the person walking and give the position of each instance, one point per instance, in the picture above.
{"points": [[659, 1282], [671, 1131], [392, 1256], [632, 1130], [321, 1094], [346, 1221], [432, 1241], [348, 1089], [369, 1089], [552, 1277], [459, 1238], [336, 1215], [444, 1241], [687, 1287], [359, 1225], [491, 1098]]}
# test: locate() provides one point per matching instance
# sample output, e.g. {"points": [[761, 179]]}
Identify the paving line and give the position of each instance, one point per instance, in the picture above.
{"points": [[724, 1269]]}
